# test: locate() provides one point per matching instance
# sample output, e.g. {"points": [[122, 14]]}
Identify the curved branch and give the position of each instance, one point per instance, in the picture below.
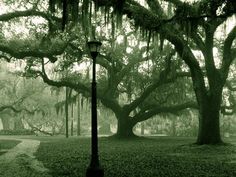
{"points": [[111, 104], [186, 54], [168, 109], [8, 59], [37, 52], [27, 13], [161, 81], [2, 108], [15, 110], [36, 129], [127, 68], [227, 51], [156, 7], [104, 62], [77, 87], [197, 39], [229, 86]]}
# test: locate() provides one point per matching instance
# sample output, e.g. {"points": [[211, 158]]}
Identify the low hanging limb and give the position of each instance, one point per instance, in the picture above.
{"points": [[35, 129]]}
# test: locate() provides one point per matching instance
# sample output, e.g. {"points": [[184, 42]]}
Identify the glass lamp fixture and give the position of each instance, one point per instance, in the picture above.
{"points": [[94, 48]]}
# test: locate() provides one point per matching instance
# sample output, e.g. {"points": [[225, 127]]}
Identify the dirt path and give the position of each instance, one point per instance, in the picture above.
{"points": [[20, 160]]}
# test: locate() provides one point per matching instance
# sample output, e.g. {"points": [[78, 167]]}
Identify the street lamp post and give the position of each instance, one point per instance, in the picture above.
{"points": [[94, 169]]}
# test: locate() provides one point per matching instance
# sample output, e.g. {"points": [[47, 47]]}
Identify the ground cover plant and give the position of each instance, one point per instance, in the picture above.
{"points": [[7, 144], [162, 156]]}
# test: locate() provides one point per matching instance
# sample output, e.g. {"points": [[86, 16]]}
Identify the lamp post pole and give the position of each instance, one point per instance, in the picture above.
{"points": [[94, 169]]}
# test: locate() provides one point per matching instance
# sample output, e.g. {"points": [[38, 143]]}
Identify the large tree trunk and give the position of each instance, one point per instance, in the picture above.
{"points": [[124, 127], [209, 122], [18, 124], [5, 123]]}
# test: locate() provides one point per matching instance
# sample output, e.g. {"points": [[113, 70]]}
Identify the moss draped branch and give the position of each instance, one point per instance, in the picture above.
{"points": [[27, 13], [35, 52], [17, 110], [163, 79], [80, 88]]}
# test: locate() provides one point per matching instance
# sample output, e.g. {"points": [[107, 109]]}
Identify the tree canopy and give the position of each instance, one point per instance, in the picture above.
{"points": [[198, 31]]}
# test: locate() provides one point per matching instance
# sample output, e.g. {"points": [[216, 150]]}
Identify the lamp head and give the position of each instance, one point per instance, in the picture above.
{"points": [[94, 48]]}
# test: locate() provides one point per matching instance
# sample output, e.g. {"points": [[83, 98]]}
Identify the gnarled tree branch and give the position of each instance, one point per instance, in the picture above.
{"points": [[142, 116]]}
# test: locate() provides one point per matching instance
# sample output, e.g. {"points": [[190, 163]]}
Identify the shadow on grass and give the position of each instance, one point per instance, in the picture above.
{"points": [[5, 145]]}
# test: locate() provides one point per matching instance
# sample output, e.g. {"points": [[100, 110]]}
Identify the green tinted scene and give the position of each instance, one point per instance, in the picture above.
{"points": [[117, 88]]}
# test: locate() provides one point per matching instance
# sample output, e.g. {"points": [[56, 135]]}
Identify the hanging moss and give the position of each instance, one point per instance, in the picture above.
{"points": [[119, 20], [75, 10], [170, 9], [69, 95], [82, 102], [43, 114], [65, 14], [161, 42], [62, 110], [112, 27], [95, 5], [125, 40], [187, 17], [57, 110], [194, 25], [149, 40], [106, 11], [118, 9], [52, 4], [90, 14], [85, 8], [85, 14]]}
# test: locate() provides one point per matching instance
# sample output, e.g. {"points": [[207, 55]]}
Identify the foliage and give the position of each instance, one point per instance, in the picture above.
{"points": [[184, 124], [26, 101]]}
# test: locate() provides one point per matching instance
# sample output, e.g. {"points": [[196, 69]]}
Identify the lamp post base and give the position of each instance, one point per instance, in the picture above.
{"points": [[95, 172]]}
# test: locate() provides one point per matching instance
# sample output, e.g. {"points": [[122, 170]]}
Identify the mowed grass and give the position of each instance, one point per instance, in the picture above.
{"points": [[7, 144], [150, 157]]}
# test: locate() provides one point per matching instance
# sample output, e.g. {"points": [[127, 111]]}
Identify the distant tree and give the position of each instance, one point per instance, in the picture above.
{"points": [[78, 115]]}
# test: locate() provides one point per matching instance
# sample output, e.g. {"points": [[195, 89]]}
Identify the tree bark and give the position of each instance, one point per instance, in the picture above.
{"points": [[78, 115], [18, 124], [209, 122], [124, 127], [5, 123], [173, 125], [72, 121], [72, 128], [142, 128], [66, 112]]}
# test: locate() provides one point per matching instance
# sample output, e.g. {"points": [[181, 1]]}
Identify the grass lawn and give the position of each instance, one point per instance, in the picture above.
{"points": [[151, 157], [7, 144]]}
